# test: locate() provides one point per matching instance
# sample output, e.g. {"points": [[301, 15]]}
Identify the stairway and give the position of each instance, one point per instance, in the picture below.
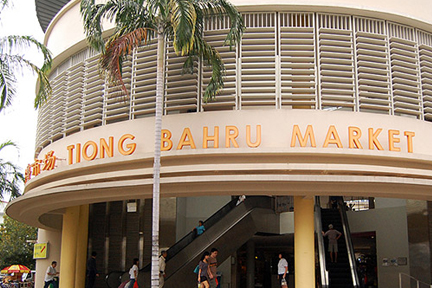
{"points": [[339, 272]]}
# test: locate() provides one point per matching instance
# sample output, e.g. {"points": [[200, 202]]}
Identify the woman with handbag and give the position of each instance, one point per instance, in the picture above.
{"points": [[133, 274], [204, 273], [282, 271]]}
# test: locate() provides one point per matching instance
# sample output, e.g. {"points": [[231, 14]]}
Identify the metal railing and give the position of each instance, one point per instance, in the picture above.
{"points": [[320, 241], [348, 240], [410, 281]]}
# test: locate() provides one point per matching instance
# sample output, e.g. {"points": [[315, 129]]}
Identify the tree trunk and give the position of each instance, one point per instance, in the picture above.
{"points": [[156, 165]]}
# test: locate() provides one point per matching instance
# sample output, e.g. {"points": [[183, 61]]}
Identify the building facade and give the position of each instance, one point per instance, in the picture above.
{"points": [[320, 99]]}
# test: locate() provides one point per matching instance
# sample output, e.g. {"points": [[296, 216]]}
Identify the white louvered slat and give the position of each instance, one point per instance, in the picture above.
{"points": [[57, 107], [361, 64], [297, 60], [43, 130], [92, 107], [181, 88], [405, 74], [335, 50], [373, 81], [144, 81], [74, 94], [258, 61], [215, 33], [425, 54], [116, 102]]}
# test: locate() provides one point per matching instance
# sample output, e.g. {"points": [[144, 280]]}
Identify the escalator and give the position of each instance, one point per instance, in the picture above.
{"points": [[343, 272], [228, 229]]}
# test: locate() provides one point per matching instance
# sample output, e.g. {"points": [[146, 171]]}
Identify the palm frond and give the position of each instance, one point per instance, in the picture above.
{"points": [[92, 17], [117, 50], [220, 9], [133, 28], [45, 89], [10, 180], [10, 47], [15, 63], [211, 58], [14, 44], [7, 85], [7, 144], [10, 176], [4, 4], [183, 20], [128, 15]]}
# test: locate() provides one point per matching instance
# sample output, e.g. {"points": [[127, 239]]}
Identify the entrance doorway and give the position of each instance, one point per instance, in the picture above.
{"points": [[366, 260], [267, 249]]}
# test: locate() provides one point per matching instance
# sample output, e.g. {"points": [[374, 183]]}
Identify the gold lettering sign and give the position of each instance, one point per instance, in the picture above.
{"points": [[91, 149], [333, 139], [235, 137]]}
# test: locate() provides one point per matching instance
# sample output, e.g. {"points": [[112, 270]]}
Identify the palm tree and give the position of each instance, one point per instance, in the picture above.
{"points": [[10, 177], [136, 23], [12, 62]]}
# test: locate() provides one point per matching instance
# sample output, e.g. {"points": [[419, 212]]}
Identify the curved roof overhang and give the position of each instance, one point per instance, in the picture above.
{"points": [[273, 165], [47, 9]]}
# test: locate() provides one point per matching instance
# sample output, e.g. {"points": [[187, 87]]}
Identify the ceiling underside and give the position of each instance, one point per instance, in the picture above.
{"points": [[47, 9]]}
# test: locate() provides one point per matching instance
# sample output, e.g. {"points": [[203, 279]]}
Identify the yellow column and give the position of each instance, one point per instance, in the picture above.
{"points": [[304, 247], [69, 247], [81, 255]]}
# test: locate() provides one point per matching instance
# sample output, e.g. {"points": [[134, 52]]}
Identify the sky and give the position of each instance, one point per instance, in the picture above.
{"points": [[18, 122]]}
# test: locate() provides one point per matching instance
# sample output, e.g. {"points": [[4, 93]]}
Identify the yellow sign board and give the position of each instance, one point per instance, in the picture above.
{"points": [[40, 251]]}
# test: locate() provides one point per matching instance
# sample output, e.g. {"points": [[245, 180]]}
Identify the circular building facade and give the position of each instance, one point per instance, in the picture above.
{"points": [[319, 100]]}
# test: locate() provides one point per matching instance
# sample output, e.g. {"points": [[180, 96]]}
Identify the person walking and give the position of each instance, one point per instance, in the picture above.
{"points": [[92, 271], [282, 271], [133, 273], [204, 273], [333, 235], [51, 272], [213, 267], [162, 266]]}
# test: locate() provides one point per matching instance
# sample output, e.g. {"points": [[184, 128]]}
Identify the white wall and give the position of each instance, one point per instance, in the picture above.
{"points": [[286, 222], [66, 30], [192, 209], [389, 220], [54, 245]]}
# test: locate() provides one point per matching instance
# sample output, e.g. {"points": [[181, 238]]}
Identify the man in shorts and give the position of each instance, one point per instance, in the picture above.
{"points": [[333, 235]]}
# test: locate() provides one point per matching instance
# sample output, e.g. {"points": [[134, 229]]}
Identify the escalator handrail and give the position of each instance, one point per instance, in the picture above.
{"points": [[188, 238], [245, 209], [348, 241], [249, 203], [320, 240]]}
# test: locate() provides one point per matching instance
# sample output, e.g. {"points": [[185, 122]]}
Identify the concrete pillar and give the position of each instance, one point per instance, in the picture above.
{"points": [[250, 264], [304, 248], [81, 256], [53, 238], [69, 247]]}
